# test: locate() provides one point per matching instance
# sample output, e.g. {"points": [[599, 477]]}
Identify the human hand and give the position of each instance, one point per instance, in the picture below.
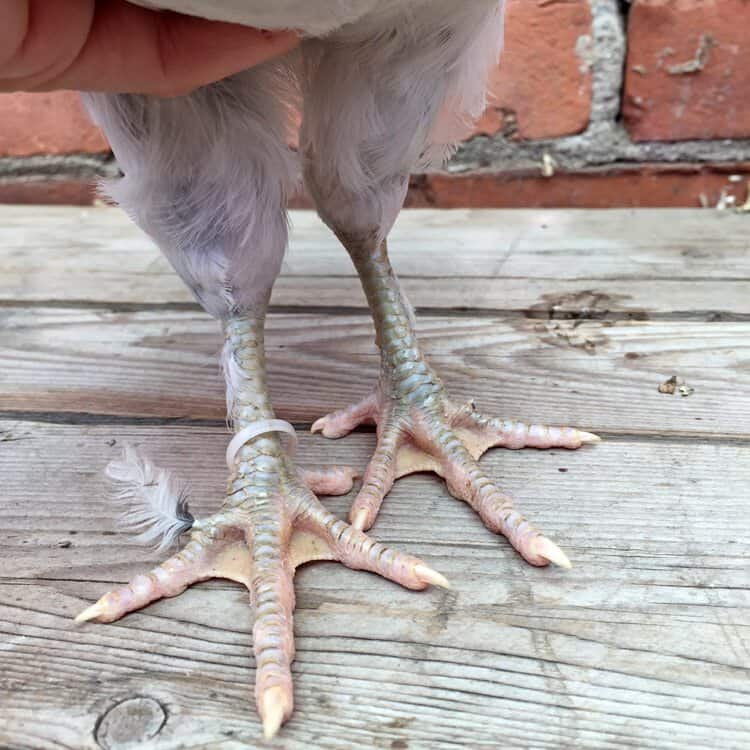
{"points": [[112, 45]]}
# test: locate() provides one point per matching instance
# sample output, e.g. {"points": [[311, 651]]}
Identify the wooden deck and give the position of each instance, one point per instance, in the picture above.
{"points": [[566, 317]]}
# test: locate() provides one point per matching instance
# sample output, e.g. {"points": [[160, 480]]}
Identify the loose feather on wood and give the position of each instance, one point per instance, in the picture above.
{"points": [[156, 506]]}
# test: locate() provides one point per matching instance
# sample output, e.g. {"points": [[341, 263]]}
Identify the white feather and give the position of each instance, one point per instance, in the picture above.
{"points": [[234, 377], [384, 91], [155, 500]]}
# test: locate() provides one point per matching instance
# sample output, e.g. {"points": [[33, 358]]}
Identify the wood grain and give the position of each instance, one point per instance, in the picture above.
{"points": [[598, 375], [561, 316], [644, 643], [493, 260]]}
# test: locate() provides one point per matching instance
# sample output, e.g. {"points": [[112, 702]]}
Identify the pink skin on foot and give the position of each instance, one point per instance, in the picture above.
{"points": [[420, 429], [334, 480], [271, 522], [260, 544], [413, 444]]}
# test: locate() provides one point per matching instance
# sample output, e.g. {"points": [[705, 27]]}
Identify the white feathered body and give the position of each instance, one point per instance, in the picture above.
{"points": [[312, 18], [383, 86]]}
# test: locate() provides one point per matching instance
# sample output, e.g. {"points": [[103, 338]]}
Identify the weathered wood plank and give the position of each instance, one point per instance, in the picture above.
{"points": [[643, 644], [537, 298], [596, 374], [639, 262]]}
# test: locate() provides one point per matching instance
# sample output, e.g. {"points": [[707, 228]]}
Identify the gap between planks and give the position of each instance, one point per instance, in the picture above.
{"points": [[638, 263], [602, 377], [569, 312], [112, 420]]}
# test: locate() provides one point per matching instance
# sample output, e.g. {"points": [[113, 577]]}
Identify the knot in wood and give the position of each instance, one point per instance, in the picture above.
{"points": [[129, 723]]}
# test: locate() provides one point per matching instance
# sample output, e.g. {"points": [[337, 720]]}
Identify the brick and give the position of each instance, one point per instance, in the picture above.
{"points": [[632, 186], [542, 87], [688, 70], [48, 192], [646, 185], [46, 123]]}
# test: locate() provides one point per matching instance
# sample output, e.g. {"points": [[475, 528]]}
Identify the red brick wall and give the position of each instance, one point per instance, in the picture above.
{"points": [[688, 70], [52, 123], [592, 106]]}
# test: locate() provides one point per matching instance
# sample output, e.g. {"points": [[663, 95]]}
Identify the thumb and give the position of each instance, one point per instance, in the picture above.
{"points": [[130, 49]]}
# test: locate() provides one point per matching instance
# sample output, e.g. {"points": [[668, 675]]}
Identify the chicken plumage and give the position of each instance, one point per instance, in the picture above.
{"points": [[384, 87]]}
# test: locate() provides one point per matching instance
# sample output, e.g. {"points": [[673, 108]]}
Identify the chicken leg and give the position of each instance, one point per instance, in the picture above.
{"points": [[270, 523], [420, 429]]}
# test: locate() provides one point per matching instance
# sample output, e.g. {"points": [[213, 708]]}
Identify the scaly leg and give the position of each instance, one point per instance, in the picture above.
{"points": [[270, 523], [420, 429], [367, 126]]}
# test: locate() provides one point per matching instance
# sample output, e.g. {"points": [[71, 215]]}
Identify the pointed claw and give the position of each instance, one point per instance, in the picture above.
{"points": [[547, 549], [272, 711], [588, 437], [330, 428], [359, 521], [430, 576], [90, 613]]}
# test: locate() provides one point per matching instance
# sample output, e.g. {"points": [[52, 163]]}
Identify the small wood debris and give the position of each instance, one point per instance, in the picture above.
{"points": [[669, 386], [673, 385]]}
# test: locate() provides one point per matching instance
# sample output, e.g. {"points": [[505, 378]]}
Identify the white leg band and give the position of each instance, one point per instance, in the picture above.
{"points": [[259, 428]]}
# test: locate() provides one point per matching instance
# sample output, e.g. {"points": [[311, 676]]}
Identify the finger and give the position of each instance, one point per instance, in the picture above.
{"points": [[39, 40], [130, 49], [134, 50]]}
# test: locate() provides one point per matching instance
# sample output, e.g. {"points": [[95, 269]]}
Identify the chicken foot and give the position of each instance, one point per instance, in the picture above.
{"points": [[420, 429], [270, 523]]}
